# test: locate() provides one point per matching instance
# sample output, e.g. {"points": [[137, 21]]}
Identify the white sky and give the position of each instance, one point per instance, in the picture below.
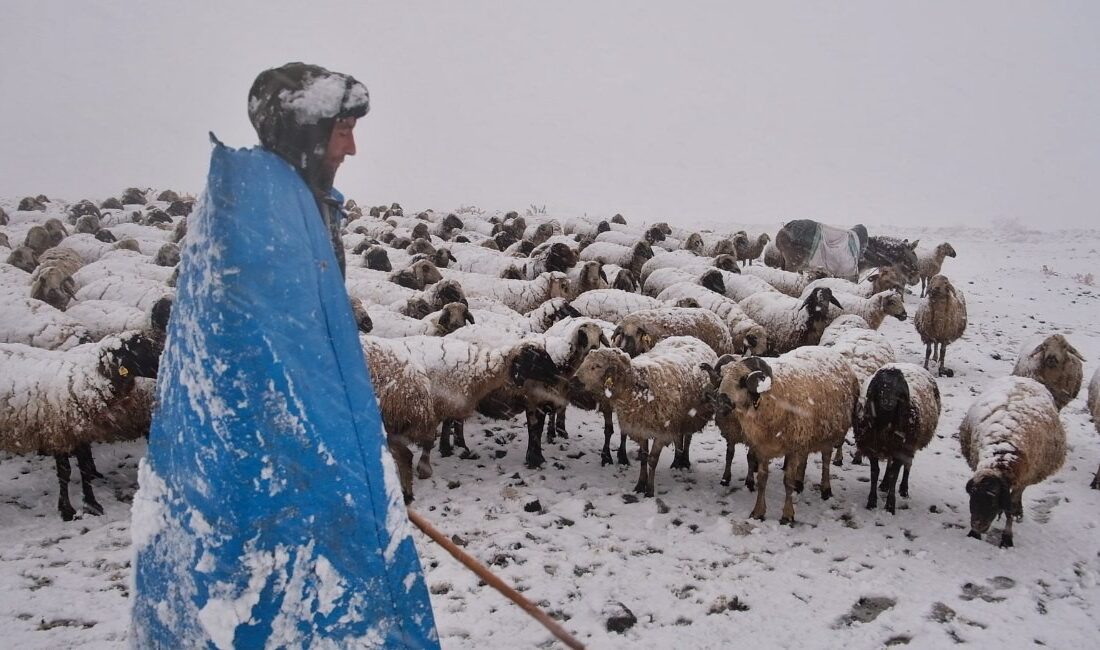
{"points": [[880, 112]]}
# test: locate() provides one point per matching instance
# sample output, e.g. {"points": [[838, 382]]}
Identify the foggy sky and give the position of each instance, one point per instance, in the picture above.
{"points": [[938, 113]]}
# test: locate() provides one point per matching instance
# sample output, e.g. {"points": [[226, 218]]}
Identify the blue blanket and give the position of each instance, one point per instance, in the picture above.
{"points": [[269, 512]]}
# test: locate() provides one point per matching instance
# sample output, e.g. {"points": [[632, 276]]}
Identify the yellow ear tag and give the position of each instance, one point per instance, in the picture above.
{"points": [[122, 371], [647, 339], [609, 382]]}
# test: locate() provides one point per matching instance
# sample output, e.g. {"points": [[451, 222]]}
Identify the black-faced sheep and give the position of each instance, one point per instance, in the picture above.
{"points": [[59, 402], [896, 416], [1011, 437], [1054, 363], [790, 322], [940, 320]]}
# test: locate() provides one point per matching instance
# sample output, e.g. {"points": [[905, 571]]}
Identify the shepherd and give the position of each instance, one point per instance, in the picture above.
{"points": [[269, 512]]}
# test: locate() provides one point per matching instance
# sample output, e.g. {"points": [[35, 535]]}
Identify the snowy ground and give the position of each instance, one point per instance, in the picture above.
{"points": [[689, 564]]}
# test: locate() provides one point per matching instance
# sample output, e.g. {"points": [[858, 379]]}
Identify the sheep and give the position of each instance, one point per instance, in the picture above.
{"points": [[520, 295], [405, 400], [589, 276], [551, 256], [37, 239], [502, 321], [56, 231], [754, 249], [620, 278], [748, 335], [889, 251], [789, 282], [59, 402], [1094, 410], [651, 236], [940, 320], [461, 375], [796, 404], [710, 278], [582, 226], [35, 323], [660, 395], [773, 257], [676, 259], [726, 421], [896, 416], [929, 263], [612, 304], [389, 324], [631, 258], [23, 257], [737, 287], [167, 255], [886, 278], [133, 291], [122, 263], [1054, 363], [789, 322], [52, 281], [103, 318], [1011, 437], [416, 276], [539, 375], [641, 330], [874, 309], [713, 244]]}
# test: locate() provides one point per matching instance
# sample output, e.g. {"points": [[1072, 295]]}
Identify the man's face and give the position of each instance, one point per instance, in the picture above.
{"points": [[341, 143]]}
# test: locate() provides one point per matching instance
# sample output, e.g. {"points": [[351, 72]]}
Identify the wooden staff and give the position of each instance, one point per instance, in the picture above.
{"points": [[493, 581]]}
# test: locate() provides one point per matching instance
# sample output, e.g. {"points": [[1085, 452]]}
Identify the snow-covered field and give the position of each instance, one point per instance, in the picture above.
{"points": [[689, 564]]}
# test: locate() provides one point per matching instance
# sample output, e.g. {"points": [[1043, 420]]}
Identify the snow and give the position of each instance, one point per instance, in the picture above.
{"points": [[689, 563]]}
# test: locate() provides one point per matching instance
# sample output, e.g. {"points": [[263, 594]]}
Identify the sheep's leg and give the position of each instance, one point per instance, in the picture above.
{"points": [[535, 420], [872, 498], [791, 471], [460, 434], [64, 472], [923, 285], [927, 354], [944, 371], [678, 453], [826, 478], [445, 448], [559, 423], [654, 456], [753, 465], [760, 509], [609, 430], [551, 416], [643, 466], [687, 450], [1006, 536], [1018, 505], [402, 457], [800, 471], [90, 468], [424, 466], [86, 466], [838, 457], [1096, 480], [891, 479], [903, 490], [727, 473]]}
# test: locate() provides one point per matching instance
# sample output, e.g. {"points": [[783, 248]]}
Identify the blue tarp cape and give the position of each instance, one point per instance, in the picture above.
{"points": [[269, 512]]}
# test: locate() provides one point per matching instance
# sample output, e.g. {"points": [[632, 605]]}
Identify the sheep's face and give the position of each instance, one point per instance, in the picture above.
{"points": [[887, 278], [631, 337], [37, 239], [560, 257], [603, 371], [446, 291], [522, 248], [56, 231], [1056, 352], [939, 288], [695, 244], [664, 228], [375, 257], [512, 273], [619, 219], [54, 288], [727, 263], [887, 399], [167, 255], [585, 337], [643, 251], [763, 240], [531, 364], [591, 277], [426, 273], [400, 243], [713, 280], [743, 385], [990, 496], [127, 244], [726, 247], [443, 258], [894, 305], [945, 250], [624, 281], [136, 356], [558, 285], [161, 312], [420, 231], [452, 317], [749, 338], [23, 258], [817, 303], [452, 222], [654, 235], [416, 307], [602, 226], [87, 224], [421, 246]]}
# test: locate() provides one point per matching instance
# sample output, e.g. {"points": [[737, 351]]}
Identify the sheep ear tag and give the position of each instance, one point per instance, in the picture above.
{"points": [[608, 381], [122, 371]]}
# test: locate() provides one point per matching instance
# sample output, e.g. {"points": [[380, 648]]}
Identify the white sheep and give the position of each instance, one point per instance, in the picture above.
{"points": [[896, 416], [520, 295], [749, 336], [641, 330], [1054, 363], [930, 261], [940, 320], [631, 258], [875, 309], [659, 396], [886, 278], [1011, 437], [791, 406], [389, 324], [52, 281], [788, 282], [790, 322], [131, 291], [612, 304], [674, 259], [708, 277], [58, 402], [32, 322]]}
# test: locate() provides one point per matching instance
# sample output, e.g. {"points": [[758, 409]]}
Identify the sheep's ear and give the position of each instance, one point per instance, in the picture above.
{"points": [[469, 317], [712, 373], [603, 276], [69, 287], [1074, 353], [970, 486], [913, 244], [617, 336], [445, 319], [874, 277], [836, 302], [581, 339], [603, 340]]}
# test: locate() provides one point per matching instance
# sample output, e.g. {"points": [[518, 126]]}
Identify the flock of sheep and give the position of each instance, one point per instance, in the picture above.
{"points": [[660, 328]]}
